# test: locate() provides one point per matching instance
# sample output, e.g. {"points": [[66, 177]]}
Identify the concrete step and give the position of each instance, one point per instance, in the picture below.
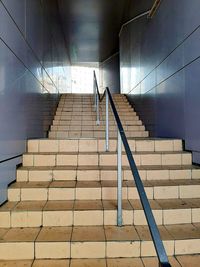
{"points": [[90, 122], [90, 104], [90, 109], [98, 145], [101, 173], [178, 261], [88, 116], [105, 159], [96, 212], [80, 128], [95, 242], [94, 134], [123, 113], [93, 117], [95, 128], [97, 190], [85, 120]]}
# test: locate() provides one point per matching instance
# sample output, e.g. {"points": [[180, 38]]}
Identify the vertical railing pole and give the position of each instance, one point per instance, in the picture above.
{"points": [[107, 122], [97, 109], [119, 180], [95, 90]]}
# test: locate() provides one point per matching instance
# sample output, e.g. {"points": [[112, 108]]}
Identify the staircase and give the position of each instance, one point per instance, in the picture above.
{"points": [[61, 211]]}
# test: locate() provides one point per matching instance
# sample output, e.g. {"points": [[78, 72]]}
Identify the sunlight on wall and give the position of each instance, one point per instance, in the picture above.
{"points": [[54, 79], [125, 79], [82, 79]]}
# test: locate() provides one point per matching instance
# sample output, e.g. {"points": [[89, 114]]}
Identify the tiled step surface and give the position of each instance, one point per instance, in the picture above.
{"points": [[85, 128], [93, 117], [93, 123], [98, 145], [93, 190], [78, 113], [95, 242], [96, 212], [179, 261], [105, 159], [101, 173], [94, 134]]}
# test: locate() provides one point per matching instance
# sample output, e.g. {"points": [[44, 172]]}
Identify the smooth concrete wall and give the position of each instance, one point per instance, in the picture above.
{"points": [[33, 66], [160, 66], [110, 74]]}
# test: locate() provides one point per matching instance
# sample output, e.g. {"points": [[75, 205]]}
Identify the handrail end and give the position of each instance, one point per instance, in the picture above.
{"points": [[165, 264]]}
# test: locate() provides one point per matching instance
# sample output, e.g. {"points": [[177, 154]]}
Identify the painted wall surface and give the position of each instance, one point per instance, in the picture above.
{"points": [[33, 66], [110, 74], [160, 65]]}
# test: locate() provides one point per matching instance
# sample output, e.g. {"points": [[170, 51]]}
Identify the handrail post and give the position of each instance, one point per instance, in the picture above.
{"points": [[97, 109], [107, 121], [119, 180], [95, 92]]}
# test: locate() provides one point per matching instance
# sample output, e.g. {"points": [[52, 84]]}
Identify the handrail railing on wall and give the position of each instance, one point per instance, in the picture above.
{"points": [[96, 98], [158, 244], [154, 9]]}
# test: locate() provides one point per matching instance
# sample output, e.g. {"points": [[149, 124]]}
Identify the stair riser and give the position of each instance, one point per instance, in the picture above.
{"points": [[112, 132], [93, 118], [101, 249], [93, 123], [95, 217], [100, 133], [102, 175], [90, 106], [99, 145], [72, 101], [105, 160], [94, 128], [88, 134], [92, 113], [98, 193], [84, 114], [123, 117]]}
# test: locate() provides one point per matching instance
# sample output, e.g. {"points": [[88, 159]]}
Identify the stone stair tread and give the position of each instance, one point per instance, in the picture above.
{"points": [[17, 263], [103, 183], [98, 233], [111, 138], [108, 153], [110, 204], [178, 261], [92, 167]]}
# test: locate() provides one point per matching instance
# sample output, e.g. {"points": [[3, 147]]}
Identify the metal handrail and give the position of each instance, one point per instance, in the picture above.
{"points": [[158, 243], [154, 8], [96, 97]]}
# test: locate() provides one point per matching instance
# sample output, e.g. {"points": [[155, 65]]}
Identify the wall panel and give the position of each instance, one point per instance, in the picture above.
{"points": [[165, 54], [31, 74], [109, 73]]}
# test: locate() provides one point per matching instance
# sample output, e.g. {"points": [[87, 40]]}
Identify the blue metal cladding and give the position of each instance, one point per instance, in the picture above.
{"points": [[110, 74], [159, 69], [32, 65]]}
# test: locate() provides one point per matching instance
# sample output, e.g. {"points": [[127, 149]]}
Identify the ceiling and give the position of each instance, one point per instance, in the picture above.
{"points": [[91, 27]]}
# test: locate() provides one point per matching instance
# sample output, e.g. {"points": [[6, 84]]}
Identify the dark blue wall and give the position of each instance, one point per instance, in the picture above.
{"points": [[160, 71], [110, 74], [33, 63]]}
